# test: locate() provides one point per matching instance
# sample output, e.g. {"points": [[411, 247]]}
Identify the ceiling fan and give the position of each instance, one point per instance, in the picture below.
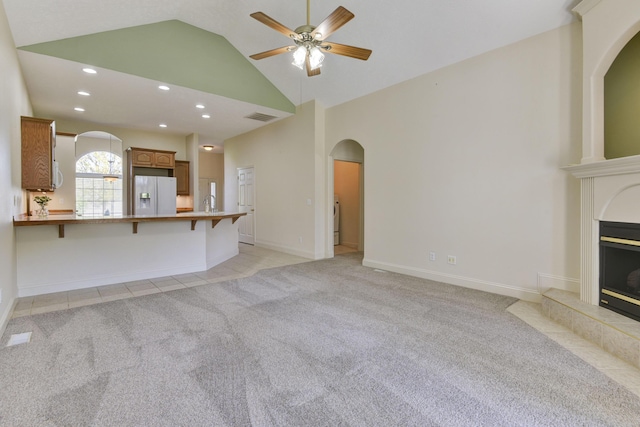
{"points": [[310, 42]]}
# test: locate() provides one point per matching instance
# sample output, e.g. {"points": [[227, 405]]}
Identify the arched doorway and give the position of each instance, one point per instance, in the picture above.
{"points": [[347, 186]]}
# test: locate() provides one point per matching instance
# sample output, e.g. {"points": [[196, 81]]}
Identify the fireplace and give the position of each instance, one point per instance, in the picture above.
{"points": [[610, 188], [620, 268]]}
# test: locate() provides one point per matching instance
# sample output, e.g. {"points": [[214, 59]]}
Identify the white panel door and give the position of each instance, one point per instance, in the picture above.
{"points": [[246, 197]]}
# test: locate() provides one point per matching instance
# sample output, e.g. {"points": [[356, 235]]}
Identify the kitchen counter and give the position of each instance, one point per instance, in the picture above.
{"points": [[62, 220], [67, 252]]}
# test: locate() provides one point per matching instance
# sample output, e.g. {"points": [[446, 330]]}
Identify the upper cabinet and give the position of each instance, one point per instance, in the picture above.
{"points": [[144, 157], [181, 172], [38, 153]]}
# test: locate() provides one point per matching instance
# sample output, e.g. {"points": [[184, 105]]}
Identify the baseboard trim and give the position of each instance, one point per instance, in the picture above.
{"points": [[6, 316], [466, 282], [286, 249], [221, 258], [350, 245], [548, 281]]}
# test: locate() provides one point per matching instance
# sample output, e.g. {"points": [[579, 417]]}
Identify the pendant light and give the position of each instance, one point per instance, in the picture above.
{"points": [[111, 177]]}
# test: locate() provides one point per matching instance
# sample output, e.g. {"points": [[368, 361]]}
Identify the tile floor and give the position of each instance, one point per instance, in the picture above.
{"points": [[252, 259], [620, 371]]}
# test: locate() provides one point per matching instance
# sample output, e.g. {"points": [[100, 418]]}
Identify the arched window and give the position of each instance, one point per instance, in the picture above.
{"points": [[99, 184]]}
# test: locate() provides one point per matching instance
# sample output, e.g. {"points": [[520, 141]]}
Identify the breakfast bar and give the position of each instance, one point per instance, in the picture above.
{"points": [[68, 252]]}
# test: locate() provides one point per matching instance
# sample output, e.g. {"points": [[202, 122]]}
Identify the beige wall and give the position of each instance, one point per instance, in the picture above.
{"points": [[130, 137], [465, 161], [211, 166], [14, 103], [346, 185], [284, 158]]}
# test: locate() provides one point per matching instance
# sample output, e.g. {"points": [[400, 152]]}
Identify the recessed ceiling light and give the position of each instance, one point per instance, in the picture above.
{"points": [[89, 70], [80, 109], [199, 106], [162, 125], [208, 147], [163, 87], [83, 93], [206, 116]]}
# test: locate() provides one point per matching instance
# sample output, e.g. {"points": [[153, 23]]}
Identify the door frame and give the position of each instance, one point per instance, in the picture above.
{"points": [[253, 215], [329, 250]]}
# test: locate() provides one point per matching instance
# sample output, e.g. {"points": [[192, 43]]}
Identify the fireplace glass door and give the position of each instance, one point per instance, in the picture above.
{"points": [[620, 268]]}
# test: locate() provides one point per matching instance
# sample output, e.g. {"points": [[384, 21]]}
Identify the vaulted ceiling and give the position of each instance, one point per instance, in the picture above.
{"points": [[200, 49]]}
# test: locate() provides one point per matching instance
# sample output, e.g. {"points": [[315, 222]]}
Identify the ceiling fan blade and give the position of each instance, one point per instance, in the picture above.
{"points": [[271, 52], [270, 22], [310, 72], [345, 50], [332, 23]]}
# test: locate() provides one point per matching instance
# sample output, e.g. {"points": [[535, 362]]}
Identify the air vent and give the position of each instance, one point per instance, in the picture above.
{"points": [[16, 339], [260, 117]]}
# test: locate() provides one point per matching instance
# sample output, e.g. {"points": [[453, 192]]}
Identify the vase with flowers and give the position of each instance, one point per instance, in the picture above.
{"points": [[42, 201]]}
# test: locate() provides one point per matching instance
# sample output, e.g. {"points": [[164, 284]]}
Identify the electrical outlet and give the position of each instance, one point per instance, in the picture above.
{"points": [[451, 259], [432, 256], [300, 239]]}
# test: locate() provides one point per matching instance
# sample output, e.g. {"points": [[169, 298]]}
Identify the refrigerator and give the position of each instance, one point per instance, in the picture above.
{"points": [[154, 195]]}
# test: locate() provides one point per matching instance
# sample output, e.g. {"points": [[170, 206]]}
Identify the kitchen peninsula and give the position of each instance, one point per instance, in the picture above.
{"points": [[67, 252]]}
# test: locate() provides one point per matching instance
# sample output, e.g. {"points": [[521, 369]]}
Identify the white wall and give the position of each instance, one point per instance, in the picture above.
{"points": [[14, 102], [103, 254], [285, 161], [465, 161], [64, 198]]}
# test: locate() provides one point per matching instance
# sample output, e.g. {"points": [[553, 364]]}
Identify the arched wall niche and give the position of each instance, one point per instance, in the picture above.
{"points": [[622, 103], [607, 27]]}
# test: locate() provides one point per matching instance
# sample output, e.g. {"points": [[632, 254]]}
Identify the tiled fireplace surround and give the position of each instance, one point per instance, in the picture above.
{"points": [[610, 189]]}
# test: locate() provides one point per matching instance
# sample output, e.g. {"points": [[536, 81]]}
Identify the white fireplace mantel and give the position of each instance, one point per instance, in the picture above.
{"points": [[621, 166], [610, 189]]}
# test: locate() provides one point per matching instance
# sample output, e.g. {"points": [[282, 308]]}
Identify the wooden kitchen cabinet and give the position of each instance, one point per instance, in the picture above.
{"points": [[38, 153], [181, 172], [144, 157]]}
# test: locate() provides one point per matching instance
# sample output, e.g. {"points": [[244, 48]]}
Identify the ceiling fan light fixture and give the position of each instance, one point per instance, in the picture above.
{"points": [[310, 40], [299, 56], [315, 58]]}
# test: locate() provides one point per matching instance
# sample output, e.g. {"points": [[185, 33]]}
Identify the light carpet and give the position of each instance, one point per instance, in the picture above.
{"points": [[323, 343]]}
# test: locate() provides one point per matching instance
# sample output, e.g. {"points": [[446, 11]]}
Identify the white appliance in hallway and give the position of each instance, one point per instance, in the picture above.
{"points": [[154, 195], [336, 220]]}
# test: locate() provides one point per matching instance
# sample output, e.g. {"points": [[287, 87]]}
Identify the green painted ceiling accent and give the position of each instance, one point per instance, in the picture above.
{"points": [[176, 53]]}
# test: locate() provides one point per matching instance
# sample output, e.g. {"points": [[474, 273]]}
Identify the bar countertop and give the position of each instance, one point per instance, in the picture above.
{"points": [[24, 220], [62, 220]]}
